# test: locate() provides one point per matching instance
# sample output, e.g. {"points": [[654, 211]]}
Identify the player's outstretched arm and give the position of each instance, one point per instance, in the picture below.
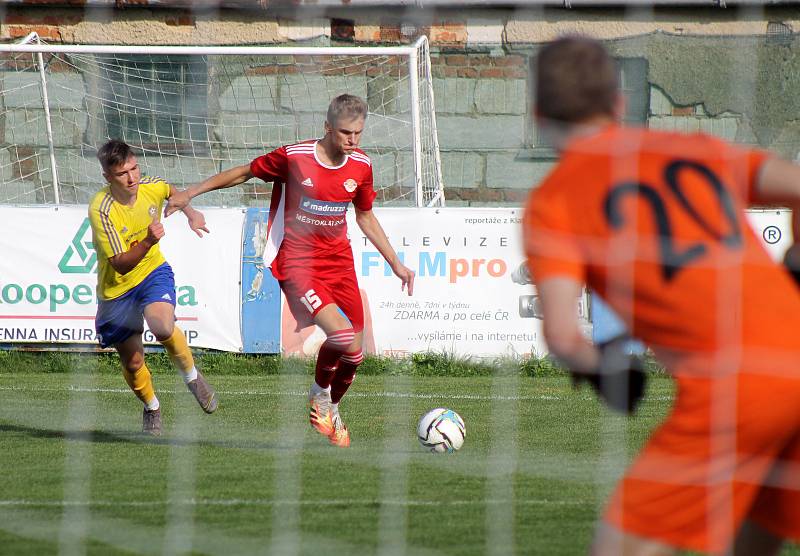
{"points": [[228, 178], [560, 325], [195, 218], [369, 224], [778, 183]]}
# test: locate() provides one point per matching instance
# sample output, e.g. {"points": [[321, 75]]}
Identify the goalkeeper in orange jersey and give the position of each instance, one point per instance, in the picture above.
{"points": [[134, 281], [655, 223]]}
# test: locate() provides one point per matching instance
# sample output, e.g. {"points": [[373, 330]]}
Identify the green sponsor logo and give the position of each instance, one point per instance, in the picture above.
{"points": [[80, 256]]}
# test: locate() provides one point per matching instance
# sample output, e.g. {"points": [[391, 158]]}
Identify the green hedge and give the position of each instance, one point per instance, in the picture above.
{"points": [[418, 364]]}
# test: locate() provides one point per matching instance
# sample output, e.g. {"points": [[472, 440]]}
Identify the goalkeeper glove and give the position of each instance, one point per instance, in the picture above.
{"points": [[619, 379], [792, 263]]}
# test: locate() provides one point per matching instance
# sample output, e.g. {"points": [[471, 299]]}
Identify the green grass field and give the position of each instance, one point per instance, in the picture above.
{"points": [[77, 476]]}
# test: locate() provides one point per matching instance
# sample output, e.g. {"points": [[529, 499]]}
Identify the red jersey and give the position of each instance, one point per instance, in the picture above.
{"points": [[309, 204]]}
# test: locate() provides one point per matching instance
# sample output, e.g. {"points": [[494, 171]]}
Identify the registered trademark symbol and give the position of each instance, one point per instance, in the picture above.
{"points": [[771, 234]]}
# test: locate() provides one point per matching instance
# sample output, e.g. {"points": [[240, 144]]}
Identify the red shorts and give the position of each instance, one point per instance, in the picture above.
{"points": [[729, 451], [307, 293]]}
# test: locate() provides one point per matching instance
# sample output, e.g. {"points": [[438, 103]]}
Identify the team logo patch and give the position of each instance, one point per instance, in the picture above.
{"points": [[152, 211], [350, 185]]}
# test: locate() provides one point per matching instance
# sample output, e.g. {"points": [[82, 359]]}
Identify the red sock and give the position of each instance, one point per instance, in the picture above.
{"points": [[344, 374], [329, 354]]}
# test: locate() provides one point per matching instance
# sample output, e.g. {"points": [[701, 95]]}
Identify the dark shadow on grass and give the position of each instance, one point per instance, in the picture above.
{"points": [[129, 437]]}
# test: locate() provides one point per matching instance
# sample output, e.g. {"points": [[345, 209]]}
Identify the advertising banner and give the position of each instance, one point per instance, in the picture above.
{"points": [[48, 275], [471, 295], [774, 227]]}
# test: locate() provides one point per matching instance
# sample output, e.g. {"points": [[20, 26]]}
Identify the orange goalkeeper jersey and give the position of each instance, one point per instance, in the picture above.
{"points": [[654, 222]]}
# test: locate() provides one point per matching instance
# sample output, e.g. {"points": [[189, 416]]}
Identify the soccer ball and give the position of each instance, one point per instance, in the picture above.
{"points": [[441, 430]]}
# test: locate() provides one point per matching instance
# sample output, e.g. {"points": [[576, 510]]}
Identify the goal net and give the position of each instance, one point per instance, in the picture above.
{"points": [[194, 111]]}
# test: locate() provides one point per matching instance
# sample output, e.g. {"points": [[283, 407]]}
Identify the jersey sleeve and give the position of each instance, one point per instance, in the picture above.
{"points": [[163, 188], [365, 194], [551, 245], [271, 166], [754, 159], [159, 186], [745, 166], [107, 241]]}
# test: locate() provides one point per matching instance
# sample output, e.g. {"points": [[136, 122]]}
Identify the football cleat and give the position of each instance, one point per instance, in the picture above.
{"points": [[319, 413], [203, 393], [151, 422], [340, 436]]}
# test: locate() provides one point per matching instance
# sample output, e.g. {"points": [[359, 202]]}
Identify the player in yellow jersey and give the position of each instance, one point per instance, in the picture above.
{"points": [[135, 283]]}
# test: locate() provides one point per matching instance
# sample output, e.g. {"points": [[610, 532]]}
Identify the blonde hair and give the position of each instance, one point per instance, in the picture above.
{"points": [[348, 106]]}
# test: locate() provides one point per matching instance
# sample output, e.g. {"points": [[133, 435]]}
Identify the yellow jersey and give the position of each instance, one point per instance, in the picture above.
{"points": [[116, 228]]}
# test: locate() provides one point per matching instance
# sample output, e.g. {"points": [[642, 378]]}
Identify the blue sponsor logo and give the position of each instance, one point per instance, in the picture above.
{"points": [[323, 208]]}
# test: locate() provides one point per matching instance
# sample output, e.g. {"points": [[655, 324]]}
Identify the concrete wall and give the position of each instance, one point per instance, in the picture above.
{"points": [[710, 70]]}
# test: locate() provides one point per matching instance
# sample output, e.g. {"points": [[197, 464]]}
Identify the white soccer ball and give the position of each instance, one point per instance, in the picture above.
{"points": [[441, 430]]}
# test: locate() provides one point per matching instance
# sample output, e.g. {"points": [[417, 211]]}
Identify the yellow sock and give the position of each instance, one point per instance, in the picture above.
{"points": [[179, 352], [141, 382]]}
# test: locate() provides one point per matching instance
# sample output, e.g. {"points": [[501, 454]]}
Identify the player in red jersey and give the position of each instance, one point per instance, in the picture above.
{"points": [[655, 223], [307, 246]]}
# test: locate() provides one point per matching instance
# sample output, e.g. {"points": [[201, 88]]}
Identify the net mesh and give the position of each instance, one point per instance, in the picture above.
{"points": [[191, 116]]}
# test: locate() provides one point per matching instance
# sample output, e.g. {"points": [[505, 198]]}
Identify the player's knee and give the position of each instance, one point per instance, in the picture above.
{"points": [[341, 339], [356, 344], [354, 358], [133, 363], [162, 330]]}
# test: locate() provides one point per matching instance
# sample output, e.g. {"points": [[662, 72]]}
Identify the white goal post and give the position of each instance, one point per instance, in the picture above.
{"points": [[192, 111]]}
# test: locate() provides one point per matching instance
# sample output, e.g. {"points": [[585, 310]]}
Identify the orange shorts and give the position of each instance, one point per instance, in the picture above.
{"points": [[729, 451]]}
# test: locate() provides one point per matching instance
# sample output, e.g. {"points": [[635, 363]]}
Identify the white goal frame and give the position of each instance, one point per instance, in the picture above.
{"points": [[428, 186]]}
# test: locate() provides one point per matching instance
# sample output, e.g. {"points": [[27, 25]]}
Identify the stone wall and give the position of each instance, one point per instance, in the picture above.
{"points": [[715, 71]]}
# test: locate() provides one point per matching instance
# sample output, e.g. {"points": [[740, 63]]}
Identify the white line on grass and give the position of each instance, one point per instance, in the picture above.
{"points": [[267, 502], [476, 397]]}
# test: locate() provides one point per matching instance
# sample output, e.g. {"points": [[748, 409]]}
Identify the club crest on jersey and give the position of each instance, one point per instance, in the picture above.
{"points": [[152, 211], [350, 185]]}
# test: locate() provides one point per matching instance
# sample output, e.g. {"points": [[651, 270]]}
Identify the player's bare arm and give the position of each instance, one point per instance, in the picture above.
{"points": [[196, 219], [615, 375], [228, 178], [127, 261], [561, 329], [369, 224]]}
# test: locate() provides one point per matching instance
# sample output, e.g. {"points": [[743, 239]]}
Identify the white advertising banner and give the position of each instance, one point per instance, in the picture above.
{"points": [[470, 297], [774, 227], [48, 274]]}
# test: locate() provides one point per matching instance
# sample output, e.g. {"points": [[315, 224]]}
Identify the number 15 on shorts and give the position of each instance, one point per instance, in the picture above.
{"points": [[311, 300]]}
